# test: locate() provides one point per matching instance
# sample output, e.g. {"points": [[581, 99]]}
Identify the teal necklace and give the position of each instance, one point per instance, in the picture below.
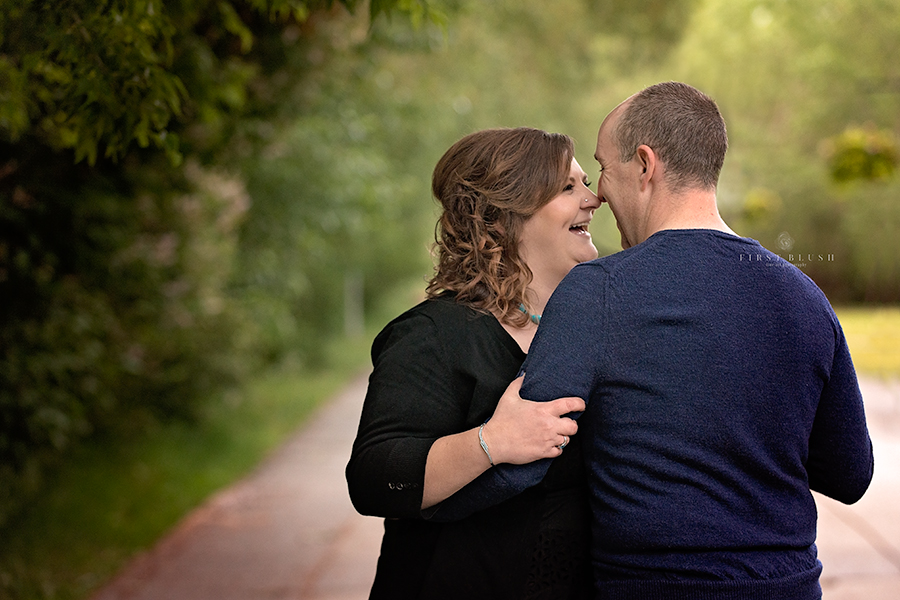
{"points": [[536, 319]]}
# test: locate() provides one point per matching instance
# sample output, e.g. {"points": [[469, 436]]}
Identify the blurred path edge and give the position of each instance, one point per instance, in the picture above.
{"points": [[288, 530]]}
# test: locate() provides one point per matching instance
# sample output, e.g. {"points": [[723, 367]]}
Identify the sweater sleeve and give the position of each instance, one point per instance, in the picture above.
{"points": [[840, 463], [413, 399], [565, 358], [552, 370]]}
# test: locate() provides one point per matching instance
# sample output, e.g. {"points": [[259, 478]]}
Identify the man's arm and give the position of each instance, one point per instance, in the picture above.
{"points": [[557, 360], [840, 463], [566, 354]]}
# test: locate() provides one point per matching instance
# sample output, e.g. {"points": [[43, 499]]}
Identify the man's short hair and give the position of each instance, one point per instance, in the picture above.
{"points": [[683, 126]]}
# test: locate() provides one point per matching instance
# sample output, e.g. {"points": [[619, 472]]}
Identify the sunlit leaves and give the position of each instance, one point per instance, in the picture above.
{"points": [[418, 11], [100, 76], [95, 76], [761, 205], [794, 78], [862, 153]]}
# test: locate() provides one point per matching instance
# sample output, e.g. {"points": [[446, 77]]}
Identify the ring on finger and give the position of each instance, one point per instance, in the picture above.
{"points": [[565, 442]]}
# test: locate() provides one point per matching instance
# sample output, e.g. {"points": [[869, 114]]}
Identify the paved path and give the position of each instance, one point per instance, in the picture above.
{"points": [[288, 531]]}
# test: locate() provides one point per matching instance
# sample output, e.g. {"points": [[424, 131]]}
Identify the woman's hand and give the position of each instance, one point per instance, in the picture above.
{"points": [[522, 431], [519, 432]]}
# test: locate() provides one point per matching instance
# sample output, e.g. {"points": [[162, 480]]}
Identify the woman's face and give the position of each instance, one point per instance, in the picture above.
{"points": [[556, 237]]}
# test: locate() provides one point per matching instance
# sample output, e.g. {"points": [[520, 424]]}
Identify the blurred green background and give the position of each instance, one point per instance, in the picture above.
{"points": [[207, 208]]}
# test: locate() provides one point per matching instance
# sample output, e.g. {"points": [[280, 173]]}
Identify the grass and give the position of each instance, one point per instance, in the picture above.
{"points": [[112, 500], [873, 335]]}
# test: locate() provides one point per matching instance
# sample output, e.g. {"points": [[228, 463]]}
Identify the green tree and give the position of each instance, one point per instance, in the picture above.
{"points": [[795, 80], [99, 76], [124, 126]]}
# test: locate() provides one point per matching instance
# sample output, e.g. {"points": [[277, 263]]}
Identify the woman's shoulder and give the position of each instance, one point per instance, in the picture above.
{"points": [[439, 320], [442, 311]]}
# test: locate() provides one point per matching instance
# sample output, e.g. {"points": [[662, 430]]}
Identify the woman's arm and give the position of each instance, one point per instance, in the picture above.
{"points": [[412, 400], [416, 445], [519, 432], [548, 373]]}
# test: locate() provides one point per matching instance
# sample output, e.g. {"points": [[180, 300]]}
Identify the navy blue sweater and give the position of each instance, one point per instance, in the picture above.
{"points": [[720, 391]]}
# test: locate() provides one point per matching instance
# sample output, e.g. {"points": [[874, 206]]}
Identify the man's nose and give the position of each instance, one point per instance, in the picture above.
{"points": [[600, 198]]}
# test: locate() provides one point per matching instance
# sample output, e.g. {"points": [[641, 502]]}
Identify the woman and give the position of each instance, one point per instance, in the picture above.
{"points": [[440, 409]]}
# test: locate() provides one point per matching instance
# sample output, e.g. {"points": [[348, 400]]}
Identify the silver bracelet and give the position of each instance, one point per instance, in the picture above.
{"points": [[484, 444]]}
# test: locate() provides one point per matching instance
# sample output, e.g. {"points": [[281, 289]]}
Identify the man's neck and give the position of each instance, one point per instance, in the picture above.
{"points": [[690, 209]]}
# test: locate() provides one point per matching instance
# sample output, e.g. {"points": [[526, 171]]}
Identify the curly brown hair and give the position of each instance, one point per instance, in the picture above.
{"points": [[489, 183]]}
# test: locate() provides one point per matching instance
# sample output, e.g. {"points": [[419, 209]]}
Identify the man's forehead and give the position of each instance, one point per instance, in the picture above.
{"points": [[602, 134], [609, 123]]}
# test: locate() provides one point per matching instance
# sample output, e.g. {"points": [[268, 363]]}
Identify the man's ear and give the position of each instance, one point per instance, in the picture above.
{"points": [[649, 163]]}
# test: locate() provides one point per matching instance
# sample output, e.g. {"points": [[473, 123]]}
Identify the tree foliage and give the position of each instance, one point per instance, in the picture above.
{"points": [[124, 129], [187, 186], [862, 153], [812, 105], [99, 76]]}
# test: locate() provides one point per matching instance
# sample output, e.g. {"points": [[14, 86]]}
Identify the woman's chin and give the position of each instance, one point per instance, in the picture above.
{"points": [[589, 254]]}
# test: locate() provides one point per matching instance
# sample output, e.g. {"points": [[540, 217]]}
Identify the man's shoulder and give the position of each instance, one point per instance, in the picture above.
{"points": [[689, 245], [606, 265]]}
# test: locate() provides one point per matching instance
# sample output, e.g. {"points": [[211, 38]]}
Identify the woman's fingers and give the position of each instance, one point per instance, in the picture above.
{"points": [[522, 431], [567, 426], [564, 406]]}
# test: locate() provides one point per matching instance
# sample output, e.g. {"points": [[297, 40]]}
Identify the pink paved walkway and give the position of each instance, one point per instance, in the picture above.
{"points": [[288, 531]]}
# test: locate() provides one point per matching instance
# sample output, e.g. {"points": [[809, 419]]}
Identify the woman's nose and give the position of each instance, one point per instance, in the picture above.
{"points": [[591, 200]]}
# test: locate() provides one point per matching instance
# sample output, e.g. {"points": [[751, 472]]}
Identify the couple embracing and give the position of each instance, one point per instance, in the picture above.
{"points": [[678, 404]]}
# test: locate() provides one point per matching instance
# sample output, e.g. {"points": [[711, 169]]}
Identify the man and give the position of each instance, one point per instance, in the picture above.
{"points": [[719, 385]]}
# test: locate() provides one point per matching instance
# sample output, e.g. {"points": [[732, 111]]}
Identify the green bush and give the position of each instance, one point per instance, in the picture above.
{"points": [[111, 305], [862, 153], [126, 129]]}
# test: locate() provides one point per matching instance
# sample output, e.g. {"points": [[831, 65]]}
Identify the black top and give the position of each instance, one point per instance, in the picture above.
{"points": [[440, 369]]}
